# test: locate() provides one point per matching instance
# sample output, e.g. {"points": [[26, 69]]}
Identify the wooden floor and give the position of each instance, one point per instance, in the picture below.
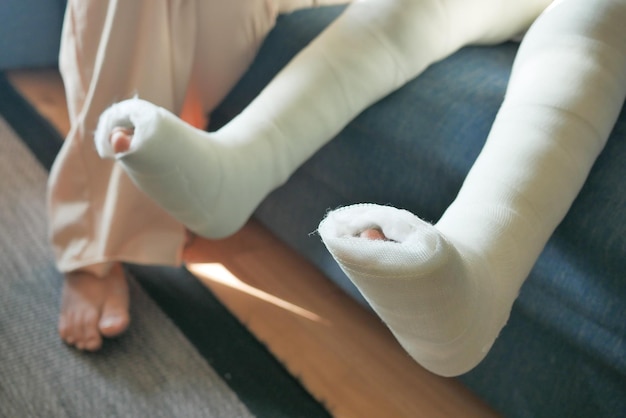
{"points": [[340, 351]]}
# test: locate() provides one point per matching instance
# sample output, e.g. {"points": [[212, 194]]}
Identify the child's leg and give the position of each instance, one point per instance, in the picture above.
{"points": [[114, 50], [96, 215], [214, 181], [447, 290], [106, 56]]}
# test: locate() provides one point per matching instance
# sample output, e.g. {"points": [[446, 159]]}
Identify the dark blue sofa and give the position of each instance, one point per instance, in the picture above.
{"points": [[563, 353]]}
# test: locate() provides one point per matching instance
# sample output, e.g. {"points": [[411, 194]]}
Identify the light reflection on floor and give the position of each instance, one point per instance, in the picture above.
{"points": [[216, 272]]}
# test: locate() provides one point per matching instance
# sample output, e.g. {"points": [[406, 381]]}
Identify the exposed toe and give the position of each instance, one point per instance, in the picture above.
{"points": [[93, 343], [121, 139], [373, 234], [114, 325]]}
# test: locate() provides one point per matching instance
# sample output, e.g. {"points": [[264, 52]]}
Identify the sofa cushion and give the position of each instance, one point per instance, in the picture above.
{"points": [[30, 33]]}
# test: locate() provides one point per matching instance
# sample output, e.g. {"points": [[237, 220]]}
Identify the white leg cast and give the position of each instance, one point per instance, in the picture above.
{"points": [[446, 290], [213, 182]]}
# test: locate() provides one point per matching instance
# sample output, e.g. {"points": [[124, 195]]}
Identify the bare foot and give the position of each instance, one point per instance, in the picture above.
{"points": [[121, 139], [93, 307]]}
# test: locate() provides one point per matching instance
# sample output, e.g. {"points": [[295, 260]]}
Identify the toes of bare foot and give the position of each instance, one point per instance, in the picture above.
{"points": [[93, 307], [78, 327], [121, 139], [373, 234]]}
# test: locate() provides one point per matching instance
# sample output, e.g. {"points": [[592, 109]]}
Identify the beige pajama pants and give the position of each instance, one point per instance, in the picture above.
{"points": [[175, 53]]}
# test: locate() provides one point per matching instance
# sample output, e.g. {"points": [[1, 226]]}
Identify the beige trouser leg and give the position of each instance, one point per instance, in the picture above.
{"points": [[112, 50]]}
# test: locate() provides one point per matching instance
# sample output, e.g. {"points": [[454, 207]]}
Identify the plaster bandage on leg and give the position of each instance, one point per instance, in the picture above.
{"points": [[446, 290], [213, 182]]}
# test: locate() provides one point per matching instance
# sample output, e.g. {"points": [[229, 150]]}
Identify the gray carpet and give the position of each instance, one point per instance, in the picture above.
{"points": [[153, 371]]}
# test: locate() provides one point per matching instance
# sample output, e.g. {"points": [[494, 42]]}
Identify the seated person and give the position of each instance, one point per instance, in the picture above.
{"points": [[444, 290]]}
